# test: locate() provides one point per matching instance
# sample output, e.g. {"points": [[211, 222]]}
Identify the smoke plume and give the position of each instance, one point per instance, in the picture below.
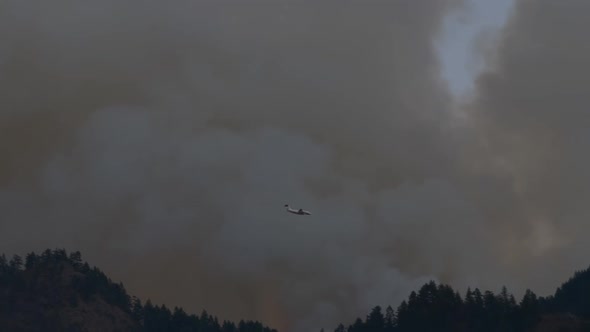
{"points": [[163, 139], [531, 130]]}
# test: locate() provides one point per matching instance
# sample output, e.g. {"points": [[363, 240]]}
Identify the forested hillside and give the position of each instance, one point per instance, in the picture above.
{"points": [[439, 308], [55, 291]]}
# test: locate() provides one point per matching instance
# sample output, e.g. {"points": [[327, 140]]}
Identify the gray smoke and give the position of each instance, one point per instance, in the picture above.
{"points": [[162, 141], [529, 114]]}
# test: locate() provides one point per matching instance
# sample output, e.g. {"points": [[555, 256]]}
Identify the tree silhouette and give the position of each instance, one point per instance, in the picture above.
{"points": [[389, 320], [55, 279], [375, 320], [16, 263], [439, 308], [44, 279]]}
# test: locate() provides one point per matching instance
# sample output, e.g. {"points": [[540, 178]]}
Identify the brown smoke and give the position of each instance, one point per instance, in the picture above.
{"points": [[162, 140], [532, 130]]}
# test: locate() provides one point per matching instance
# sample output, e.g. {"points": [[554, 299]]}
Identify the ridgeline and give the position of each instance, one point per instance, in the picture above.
{"points": [[55, 291]]}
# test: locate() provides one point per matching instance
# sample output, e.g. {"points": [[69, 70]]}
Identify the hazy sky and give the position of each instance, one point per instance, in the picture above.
{"points": [[162, 139], [478, 21]]}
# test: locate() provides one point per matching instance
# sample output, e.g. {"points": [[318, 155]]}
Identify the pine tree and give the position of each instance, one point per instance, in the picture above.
{"points": [[340, 328], [375, 320], [469, 300], [358, 326], [30, 260], [504, 296], [478, 298], [228, 327], [136, 309], [403, 316], [389, 319], [16, 263], [76, 258]]}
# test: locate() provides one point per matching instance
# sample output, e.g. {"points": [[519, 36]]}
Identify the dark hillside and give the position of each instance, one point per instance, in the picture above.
{"points": [[55, 291], [439, 308]]}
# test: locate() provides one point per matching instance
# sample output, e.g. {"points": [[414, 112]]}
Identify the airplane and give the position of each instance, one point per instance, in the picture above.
{"points": [[300, 211]]}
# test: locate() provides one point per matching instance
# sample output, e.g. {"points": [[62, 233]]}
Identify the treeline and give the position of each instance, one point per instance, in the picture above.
{"points": [[55, 281], [61, 279], [439, 308]]}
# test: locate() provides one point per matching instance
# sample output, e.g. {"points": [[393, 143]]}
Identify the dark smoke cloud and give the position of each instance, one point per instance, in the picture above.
{"points": [[530, 116], [162, 141]]}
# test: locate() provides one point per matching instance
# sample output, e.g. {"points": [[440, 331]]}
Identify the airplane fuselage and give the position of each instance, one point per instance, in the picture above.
{"points": [[298, 212]]}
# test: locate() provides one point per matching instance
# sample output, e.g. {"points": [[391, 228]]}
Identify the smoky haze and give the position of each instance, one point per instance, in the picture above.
{"points": [[530, 114], [163, 139]]}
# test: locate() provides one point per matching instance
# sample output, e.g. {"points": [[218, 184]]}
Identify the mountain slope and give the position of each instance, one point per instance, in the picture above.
{"points": [[439, 308], [58, 292], [55, 291]]}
